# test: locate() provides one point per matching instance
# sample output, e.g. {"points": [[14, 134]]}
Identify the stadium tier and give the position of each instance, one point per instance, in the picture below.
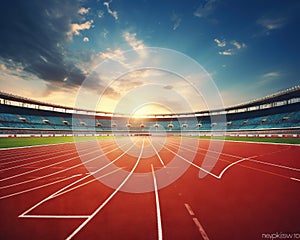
{"points": [[279, 112]]}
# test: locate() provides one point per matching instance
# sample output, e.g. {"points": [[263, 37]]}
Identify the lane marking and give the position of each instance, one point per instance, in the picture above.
{"points": [[38, 187], [161, 161], [295, 179], [73, 151], [61, 191], [83, 184], [32, 156], [49, 145], [57, 172], [200, 228], [189, 209], [108, 199], [159, 225], [55, 216], [196, 221], [39, 161], [250, 160], [35, 170], [235, 141]]}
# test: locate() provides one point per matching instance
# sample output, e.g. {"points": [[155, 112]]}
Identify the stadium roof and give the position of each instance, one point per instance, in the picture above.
{"points": [[285, 95]]}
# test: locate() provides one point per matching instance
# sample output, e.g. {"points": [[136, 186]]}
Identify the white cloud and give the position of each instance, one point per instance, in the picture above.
{"points": [[271, 75], [117, 54], [113, 13], [75, 28], [226, 53], [268, 79], [105, 32], [271, 23], [83, 10], [130, 38], [220, 43], [177, 20], [86, 39], [236, 46], [206, 8]]}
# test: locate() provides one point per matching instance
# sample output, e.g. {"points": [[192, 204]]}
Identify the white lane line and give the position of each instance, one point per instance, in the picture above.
{"points": [[35, 170], [193, 164], [248, 159], [39, 161], [14, 155], [38, 187], [161, 161], [83, 184], [229, 155], [33, 156], [50, 165], [61, 192], [276, 165], [200, 228], [109, 198], [48, 145], [208, 172], [159, 225], [189, 209], [63, 170], [55, 216], [295, 179], [196, 221], [244, 142]]}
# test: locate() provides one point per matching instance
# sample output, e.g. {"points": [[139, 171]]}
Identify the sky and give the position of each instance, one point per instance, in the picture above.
{"points": [[159, 56]]}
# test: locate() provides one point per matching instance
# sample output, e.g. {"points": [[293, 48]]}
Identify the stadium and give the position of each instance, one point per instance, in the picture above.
{"points": [[65, 190], [276, 115], [149, 120]]}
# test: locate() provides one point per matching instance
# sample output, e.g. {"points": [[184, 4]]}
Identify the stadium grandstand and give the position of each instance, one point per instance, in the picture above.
{"points": [[275, 114]]}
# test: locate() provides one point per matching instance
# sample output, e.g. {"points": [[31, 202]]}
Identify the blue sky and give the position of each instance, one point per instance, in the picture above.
{"points": [[48, 48]]}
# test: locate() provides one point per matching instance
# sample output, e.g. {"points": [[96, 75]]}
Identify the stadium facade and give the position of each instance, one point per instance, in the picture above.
{"points": [[275, 114]]}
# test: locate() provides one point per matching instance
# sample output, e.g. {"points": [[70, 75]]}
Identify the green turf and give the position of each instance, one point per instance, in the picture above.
{"points": [[256, 139], [31, 141]]}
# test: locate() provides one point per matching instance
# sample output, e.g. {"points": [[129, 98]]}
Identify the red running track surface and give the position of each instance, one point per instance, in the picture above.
{"points": [[60, 191]]}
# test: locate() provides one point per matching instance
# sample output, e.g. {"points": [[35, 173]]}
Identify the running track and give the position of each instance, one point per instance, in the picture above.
{"points": [[48, 193]]}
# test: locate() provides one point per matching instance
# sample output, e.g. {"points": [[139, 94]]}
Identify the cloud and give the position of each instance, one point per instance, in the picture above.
{"points": [[238, 45], [76, 28], [206, 8], [271, 23], [3, 67], [220, 43], [271, 75], [113, 13], [130, 38], [83, 10], [235, 47], [226, 53], [86, 39], [105, 32], [268, 78], [176, 20], [100, 14], [35, 40]]}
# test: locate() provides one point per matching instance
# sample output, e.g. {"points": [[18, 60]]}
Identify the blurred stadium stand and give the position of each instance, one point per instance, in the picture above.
{"points": [[278, 113]]}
